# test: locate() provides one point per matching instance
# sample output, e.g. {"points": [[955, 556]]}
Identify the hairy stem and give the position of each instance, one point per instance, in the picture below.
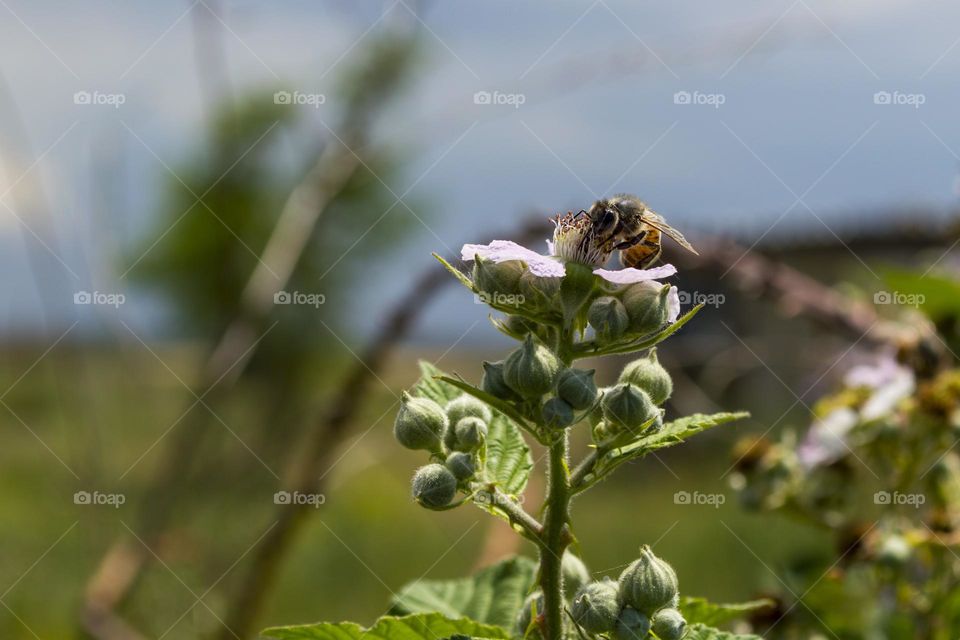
{"points": [[555, 539]]}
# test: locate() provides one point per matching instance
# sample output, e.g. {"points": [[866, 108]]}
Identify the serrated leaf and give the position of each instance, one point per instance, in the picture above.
{"points": [[493, 596], [421, 626], [677, 431], [508, 457], [431, 386], [703, 632], [644, 343], [710, 613]]}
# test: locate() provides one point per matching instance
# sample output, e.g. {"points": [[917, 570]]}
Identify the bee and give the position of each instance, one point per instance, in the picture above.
{"points": [[625, 223]]}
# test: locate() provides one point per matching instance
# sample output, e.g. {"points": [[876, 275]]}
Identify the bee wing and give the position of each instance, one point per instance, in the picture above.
{"points": [[656, 221]]}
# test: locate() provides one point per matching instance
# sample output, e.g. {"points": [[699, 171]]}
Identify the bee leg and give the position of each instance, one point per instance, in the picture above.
{"points": [[632, 242]]}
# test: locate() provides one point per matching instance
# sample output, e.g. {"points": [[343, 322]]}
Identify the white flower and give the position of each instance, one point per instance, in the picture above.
{"points": [[826, 441], [891, 382]]}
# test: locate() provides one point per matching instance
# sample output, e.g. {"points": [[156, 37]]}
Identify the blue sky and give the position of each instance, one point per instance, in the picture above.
{"points": [[798, 141]]}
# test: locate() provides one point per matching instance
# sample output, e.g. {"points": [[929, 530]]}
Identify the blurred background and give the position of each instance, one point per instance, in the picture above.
{"points": [[216, 223]]}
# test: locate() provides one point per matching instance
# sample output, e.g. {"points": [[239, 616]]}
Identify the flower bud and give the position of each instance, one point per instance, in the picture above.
{"points": [[626, 407], [469, 432], [608, 317], [531, 370], [632, 625], [669, 624], [434, 486], [539, 294], [461, 465], [519, 325], [493, 383], [647, 305], [557, 414], [577, 388], [575, 573], [467, 405], [648, 584], [497, 279], [420, 423], [648, 374], [534, 601], [595, 606]]}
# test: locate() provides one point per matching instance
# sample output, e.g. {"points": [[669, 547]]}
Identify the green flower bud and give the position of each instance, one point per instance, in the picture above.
{"points": [[519, 325], [608, 317], [434, 486], [626, 407], [461, 465], [497, 279], [648, 374], [420, 423], [557, 414], [646, 305], [669, 624], [632, 625], [575, 573], [468, 434], [595, 606], [539, 294], [467, 405], [531, 370], [493, 383], [648, 584], [577, 388], [534, 601]]}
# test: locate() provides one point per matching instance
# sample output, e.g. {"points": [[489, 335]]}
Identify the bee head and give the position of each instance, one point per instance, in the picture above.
{"points": [[605, 217]]}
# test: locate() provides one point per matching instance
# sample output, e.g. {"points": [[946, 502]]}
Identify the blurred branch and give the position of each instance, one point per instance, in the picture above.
{"points": [[329, 432]]}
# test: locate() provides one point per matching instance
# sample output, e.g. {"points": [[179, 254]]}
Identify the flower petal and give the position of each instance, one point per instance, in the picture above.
{"points": [[630, 275], [673, 305], [505, 251]]}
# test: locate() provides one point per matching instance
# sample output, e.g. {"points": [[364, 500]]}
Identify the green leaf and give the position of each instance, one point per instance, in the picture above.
{"points": [[422, 626], [459, 275], [432, 387], [700, 610], [590, 349], [492, 596], [703, 632], [508, 461]]}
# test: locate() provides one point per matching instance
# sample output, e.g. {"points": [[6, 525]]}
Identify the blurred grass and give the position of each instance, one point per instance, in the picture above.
{"points": [[367, 539]]}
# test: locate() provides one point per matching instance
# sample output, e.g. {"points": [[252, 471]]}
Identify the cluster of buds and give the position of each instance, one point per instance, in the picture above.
{"points": [[644, 599], [453, 435]]}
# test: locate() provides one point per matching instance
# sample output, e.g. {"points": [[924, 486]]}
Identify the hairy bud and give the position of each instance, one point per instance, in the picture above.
{"points": [[557, 414], [465, 406], [669, 624], [648, 584], [461, 465], [648, 374], [626, 407], [608, 317], [632, 625], [493, 383], [420, 423], [531, 370], [647, 305], [575, 573], [595, 606], [434, 486], [469, 432], [539, 294], [497, 279], [577, 388]]}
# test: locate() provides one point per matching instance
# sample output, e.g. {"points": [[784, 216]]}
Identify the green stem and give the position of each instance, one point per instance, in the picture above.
{"points": [[556, 537]]}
